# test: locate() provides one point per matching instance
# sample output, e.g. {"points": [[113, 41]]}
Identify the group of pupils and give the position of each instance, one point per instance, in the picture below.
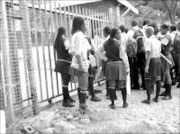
{"points": [[74, 58]]}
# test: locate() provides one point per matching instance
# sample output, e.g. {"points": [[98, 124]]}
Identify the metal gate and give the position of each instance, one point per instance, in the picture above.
{"points": [[27, 57]]}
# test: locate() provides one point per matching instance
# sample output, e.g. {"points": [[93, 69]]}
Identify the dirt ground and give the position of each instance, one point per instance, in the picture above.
{"points": [[162, 117]]}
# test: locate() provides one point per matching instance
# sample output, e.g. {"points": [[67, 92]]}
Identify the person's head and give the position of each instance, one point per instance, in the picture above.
{"points": [[115, 33], [126, 30], [60, 36], [178, 26], [106, 31], [61, 32], [149, 31], [146, 22], [78, 25], [134, 23], [164, 29], [155, 26], [122, 28], [172, 28]]}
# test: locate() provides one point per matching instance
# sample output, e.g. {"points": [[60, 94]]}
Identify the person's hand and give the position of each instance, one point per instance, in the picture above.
{"points": [[147, 69]]}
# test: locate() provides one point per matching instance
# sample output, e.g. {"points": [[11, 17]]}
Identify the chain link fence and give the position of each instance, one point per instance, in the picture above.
{"points": [[27, 57]]}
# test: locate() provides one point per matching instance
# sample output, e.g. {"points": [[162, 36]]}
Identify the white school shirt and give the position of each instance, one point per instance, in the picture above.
{"points": [[153, 45], [80, 46], [124, 40], [173, 34]]}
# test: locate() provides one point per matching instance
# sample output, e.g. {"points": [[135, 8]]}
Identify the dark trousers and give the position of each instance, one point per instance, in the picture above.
{"points": [[91, 72], [141, 62], [65, 81], [134, 71]]}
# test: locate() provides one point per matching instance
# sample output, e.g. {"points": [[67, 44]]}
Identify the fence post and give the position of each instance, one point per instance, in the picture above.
{"points": [[23, 4], [6, 65]]}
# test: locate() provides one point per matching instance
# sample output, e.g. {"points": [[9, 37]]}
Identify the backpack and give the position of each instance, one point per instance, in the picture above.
{"points": [[140, 45], [131, 47], [177, 43]]}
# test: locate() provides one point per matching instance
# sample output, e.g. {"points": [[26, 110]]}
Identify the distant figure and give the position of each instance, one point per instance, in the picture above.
{"points": [[146, 23], [63, 63], [176, 46], [92, 69], [131, 49], [165, 50], [173, 32]]}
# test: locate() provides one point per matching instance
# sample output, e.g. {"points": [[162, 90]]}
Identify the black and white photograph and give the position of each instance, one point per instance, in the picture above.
{"points": [[89, 66]]}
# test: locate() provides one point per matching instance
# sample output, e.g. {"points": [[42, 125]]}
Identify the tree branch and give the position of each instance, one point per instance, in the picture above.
{"points": [[166, 5]]}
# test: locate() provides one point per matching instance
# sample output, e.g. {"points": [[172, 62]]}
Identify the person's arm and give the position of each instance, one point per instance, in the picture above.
{"points": [[148, 50], [100, 52], [124, 57]]}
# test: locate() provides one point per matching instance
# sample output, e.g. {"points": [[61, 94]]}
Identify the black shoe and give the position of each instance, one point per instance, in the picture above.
{"points": [[167, 97], [135, 88], [68, 104], [146, 101], [155, 100], [71, 100], [125, 105], [95, 99], [178, 86], [163, 94], [112, 106]]}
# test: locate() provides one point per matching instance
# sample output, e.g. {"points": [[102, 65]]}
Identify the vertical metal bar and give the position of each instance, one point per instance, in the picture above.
{"points": [[90, 22], [28, 50], [69, 18], [80, 11], [1, 61], [37, 50], [15, 47], [65, 17], [93, 26], [44, 60], [55, 59], [49, 51], [60, 13], [76, 10], [6, 63]]}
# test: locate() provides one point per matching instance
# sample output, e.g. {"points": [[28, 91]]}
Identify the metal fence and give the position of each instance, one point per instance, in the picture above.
{"points": [[27, 57]]}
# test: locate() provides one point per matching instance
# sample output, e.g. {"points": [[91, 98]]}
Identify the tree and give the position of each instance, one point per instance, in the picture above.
{"points": [[170, 7]]}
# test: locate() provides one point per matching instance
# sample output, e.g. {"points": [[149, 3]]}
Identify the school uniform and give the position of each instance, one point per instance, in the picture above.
{"points": [[115, 69], [153, 46], [79, 49], [62, 66], [166, 48]]}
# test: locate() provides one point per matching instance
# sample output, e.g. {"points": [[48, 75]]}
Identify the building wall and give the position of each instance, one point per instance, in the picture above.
{"points": [[101, 6], [110, 7]]}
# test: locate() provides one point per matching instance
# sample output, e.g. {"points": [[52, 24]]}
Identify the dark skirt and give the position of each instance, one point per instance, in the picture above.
{"points": [[115, 71], [155, 67], [62, 66]]}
